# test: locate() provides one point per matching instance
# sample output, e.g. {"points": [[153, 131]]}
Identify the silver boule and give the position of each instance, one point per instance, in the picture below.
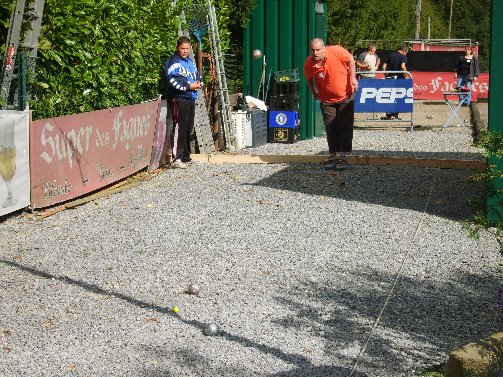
{"points": [[211, 329], [194, 289]]}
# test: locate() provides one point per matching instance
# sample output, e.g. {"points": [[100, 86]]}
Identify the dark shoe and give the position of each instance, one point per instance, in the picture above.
{"points": [[330, 165], [341, 164], [328, 160], [186, 159]]}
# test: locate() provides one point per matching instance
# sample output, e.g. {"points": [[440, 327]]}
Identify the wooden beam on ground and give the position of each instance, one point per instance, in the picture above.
{"points": [[118, 187], [354, 160]]}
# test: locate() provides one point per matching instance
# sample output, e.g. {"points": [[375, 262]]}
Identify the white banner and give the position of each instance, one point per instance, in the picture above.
{"points": [[14, 161]]}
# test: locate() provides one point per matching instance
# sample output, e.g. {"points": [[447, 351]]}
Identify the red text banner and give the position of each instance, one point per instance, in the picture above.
{"points": [[430, 85], [76, 154]]}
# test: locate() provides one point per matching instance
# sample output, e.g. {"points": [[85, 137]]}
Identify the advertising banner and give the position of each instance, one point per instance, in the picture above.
{"points": [[76, 154], [385, 96], [430, 85], [162, 139], [14, 161]]}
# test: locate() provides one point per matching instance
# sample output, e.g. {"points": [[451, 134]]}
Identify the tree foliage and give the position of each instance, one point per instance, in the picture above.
{"points": [[390, 22], [106, 53], [100, 54]]}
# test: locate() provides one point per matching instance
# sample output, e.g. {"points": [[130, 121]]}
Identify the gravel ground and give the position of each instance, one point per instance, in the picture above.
{"points": [[295, 264], [428, 140]]}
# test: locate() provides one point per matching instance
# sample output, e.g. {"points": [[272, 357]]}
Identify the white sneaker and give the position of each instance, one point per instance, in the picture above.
{"points": [[177, 164]]}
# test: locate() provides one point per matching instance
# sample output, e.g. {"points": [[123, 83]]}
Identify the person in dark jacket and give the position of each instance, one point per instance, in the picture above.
{"points": [[467, 71], [396, 61], [183, 80]]}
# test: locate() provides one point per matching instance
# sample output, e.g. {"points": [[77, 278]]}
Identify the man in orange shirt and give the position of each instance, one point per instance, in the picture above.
{"points": [[330, 72]]}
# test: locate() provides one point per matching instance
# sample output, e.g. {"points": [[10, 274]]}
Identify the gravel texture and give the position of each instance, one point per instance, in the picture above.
{"points": [[294, 263]]}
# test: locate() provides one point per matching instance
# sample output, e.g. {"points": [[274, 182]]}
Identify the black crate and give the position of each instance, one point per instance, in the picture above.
{"points": [[283, 135], [285, 88], [287, 76], [284, 103]]}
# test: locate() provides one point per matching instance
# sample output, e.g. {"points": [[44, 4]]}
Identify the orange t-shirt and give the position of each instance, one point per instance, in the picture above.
{"points": [[331, 75]]}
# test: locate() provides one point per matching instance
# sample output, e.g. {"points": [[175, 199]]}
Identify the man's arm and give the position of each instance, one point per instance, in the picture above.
{"points": [[310, 83], [352, 74], [403, 67], [360, 63]]}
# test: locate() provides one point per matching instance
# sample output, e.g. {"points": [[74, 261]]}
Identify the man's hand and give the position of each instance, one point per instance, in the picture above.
{"points": [[195, 85], [354, 84]]}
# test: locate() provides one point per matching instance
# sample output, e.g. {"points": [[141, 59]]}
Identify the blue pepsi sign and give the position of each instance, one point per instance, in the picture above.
{"points": [[384, 96]]}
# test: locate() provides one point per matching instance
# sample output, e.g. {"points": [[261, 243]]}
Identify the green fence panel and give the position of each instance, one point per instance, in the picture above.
{"points": [[287, 28], [494, 201]]}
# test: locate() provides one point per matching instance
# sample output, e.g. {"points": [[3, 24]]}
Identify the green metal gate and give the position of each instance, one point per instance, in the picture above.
{"points": [[282, 30]]}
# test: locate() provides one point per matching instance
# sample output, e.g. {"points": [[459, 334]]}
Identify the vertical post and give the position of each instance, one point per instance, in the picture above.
{"points": [[418, 19], [11, 47], [21, 80], [450, 21]]}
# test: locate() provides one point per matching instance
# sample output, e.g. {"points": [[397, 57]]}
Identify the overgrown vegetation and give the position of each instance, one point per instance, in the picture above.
{"points": [[489, 209], [101, 54]]}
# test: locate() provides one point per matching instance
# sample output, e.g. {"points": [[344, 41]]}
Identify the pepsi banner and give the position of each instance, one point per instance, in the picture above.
{"points": [[384, 96]]}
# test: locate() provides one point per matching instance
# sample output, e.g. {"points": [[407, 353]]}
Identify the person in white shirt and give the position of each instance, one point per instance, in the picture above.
{"points": [[368, 62]]}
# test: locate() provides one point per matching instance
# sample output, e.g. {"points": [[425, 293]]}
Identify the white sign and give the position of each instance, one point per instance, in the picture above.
{"points": [[14, 161]]}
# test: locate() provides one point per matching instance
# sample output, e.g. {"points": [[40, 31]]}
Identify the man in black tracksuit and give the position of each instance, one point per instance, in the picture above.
{"points": [[183, 80]]}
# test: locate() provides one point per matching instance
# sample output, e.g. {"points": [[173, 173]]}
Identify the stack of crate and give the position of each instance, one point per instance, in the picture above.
{"points": [[250, 128], [284, 120]]}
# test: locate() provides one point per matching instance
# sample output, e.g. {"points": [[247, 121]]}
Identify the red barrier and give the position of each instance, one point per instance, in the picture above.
{"points": [[76, 154]]}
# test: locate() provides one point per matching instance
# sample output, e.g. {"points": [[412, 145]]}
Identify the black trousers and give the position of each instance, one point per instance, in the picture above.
{"points": [[339, 119], [397, 76], [183, 120]]}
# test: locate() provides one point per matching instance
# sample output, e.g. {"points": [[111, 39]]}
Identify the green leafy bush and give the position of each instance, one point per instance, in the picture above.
{"points": [[489, 208], [101, 54]]}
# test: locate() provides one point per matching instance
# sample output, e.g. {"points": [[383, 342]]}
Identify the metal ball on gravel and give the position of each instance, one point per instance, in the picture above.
{"points": [[194, 289], [211, 329]]}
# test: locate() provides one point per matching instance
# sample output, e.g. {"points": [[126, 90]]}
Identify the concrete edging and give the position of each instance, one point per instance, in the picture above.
{"points": [[479, 359]]}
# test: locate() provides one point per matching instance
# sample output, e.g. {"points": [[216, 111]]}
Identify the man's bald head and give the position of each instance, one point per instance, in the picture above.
{"points": [[317, 49]]}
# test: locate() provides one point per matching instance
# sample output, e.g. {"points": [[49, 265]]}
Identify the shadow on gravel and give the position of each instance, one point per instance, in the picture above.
{"points": [[423, 317], [398, 187], [197, 364], [294, 359]]}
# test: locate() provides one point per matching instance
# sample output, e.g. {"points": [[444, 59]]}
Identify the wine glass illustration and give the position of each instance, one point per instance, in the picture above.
{"points": [[7, 157]]}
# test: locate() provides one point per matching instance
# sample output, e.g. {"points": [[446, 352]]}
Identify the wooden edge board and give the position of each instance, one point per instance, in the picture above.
{"points": [[118, 187], [355, 160]]}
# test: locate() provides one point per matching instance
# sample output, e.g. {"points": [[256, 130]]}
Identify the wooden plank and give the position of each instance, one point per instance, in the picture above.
{"points": [[354, 160], [118, 187]]}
